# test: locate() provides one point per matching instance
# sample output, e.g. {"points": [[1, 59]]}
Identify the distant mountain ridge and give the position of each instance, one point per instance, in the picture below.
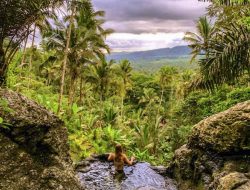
{"points": [[163, 53]]}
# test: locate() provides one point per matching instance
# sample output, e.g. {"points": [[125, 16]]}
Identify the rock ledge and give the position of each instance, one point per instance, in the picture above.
{"points": [[217, 155], [34, 151]]}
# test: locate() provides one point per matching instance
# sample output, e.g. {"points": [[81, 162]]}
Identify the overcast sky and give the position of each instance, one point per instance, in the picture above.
{"points": [[149, 24]]}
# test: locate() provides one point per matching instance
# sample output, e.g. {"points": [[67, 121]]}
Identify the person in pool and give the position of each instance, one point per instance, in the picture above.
{"points": [[120, 159]]}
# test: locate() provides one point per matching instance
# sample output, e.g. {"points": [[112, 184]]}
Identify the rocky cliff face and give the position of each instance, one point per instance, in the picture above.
{"points": [[217, 155], [33, 143]]}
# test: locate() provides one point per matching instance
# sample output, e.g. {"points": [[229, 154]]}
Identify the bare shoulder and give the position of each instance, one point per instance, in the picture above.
{"points": [[126, 160], [111, 156], [124, 156]]}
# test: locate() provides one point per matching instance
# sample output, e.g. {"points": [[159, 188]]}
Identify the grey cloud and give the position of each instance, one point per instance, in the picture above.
{"points": [[149, 16], [164, 26], [120, 10]]}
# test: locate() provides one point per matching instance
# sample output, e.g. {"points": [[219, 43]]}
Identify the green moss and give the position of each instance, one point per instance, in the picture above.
{"points": [[4, 105]]}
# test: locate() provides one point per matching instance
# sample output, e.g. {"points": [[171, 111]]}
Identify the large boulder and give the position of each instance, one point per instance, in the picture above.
{"points": [[217, 155], [227, 132], [33, 142], [234, 180]]}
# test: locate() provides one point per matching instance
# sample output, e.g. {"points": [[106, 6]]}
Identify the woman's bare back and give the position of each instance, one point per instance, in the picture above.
{"points": [[119, 161]]}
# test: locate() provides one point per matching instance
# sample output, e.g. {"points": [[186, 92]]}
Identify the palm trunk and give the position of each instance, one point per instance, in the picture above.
{"points": [[123, 96], [31, 55], [65, 61], [2, 73], [101, 92], [71, 95], [2, 79], [81, 103], [101, 100], [32, 47], [171, 100], [162, 93], [122, 107], [81, 91], [2, 67], [72, 91], [24, 49]]}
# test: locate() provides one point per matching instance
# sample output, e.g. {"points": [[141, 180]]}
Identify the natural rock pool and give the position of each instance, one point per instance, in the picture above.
{"points": [[100, 175]]}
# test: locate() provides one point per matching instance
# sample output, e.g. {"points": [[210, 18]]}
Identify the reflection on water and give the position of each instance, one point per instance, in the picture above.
{"points": [[101, 175]]}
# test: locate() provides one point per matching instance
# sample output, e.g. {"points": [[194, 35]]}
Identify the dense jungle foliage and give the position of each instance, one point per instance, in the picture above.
{"points": [[107, 102]]}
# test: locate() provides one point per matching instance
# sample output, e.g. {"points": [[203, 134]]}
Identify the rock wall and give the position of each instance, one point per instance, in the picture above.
{"points": [[33, 143], [217, 155]]}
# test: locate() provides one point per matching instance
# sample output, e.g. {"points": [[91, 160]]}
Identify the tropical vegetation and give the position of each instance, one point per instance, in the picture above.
{"points": [[104, 102]]}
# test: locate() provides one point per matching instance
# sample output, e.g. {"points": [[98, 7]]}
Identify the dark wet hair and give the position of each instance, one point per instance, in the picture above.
{"points": [[118, 149]]}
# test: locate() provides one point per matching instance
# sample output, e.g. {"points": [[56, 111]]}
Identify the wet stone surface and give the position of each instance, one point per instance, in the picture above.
{"points": [[100, 175]]}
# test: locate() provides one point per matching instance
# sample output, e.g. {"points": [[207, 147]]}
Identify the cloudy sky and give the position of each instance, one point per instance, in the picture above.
{"points": [[149, 24]]}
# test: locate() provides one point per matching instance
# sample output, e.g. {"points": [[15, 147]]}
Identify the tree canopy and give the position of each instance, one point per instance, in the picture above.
{"points": [[27, 11], [229, 2], [16, 17], [227, 56]]}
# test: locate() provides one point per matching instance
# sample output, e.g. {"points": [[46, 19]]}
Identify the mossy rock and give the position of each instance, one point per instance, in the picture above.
{"points": [[217, 153], [234, 181], [227, 132], [34, 152]]}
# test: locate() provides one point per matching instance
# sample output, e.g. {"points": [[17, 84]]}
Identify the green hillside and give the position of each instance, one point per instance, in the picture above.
{"points": [[154, 65]]}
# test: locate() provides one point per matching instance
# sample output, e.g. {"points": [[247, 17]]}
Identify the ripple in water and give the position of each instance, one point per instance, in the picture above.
{"points": [[101, 176]]}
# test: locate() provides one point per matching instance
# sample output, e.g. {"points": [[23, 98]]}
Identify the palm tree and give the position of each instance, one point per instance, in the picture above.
{"points": [[149, 99], [228, 57], [43, 25], [24, 49], [199, 42], [230, 2], [124, 71], [99, 75], [165, 80], [50, 69], [183, 84], [66, 50], [83, 50], [16, 19], [90, 36], [85, 41]]}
